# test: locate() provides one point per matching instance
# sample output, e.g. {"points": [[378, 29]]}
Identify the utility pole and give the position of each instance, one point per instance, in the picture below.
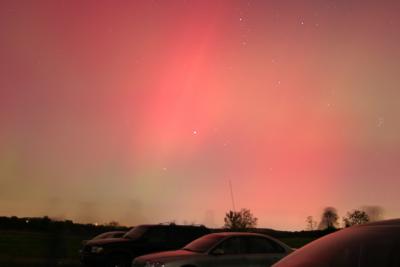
{"points": [[233, 200]]}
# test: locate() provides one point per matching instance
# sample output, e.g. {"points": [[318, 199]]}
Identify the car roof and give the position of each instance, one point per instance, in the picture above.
{"points": [[172, 225], [391, 222], [237, 234]]}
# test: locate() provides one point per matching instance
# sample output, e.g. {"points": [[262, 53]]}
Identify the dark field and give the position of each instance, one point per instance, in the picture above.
{"points": [[34, 249], [22, 248]]}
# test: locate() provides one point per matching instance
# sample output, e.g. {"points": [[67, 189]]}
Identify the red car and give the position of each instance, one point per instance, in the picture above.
{"points": [[370, 245]]}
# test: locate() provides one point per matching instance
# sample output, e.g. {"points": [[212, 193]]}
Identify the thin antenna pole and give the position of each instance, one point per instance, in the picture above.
{"points": [[233, 200]]}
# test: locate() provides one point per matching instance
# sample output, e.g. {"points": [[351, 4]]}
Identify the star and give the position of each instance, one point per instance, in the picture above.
{"points": [[381, 122]]}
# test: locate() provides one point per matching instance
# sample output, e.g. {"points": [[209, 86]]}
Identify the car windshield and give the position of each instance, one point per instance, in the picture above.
{"points": [[101, 236], [204, 243], [109, 235], [367, 247], [136, 232]]}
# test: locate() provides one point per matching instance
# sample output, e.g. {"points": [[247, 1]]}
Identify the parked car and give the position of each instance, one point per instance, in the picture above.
{"points": [[369, 245], [143, 239], [227, 249]]}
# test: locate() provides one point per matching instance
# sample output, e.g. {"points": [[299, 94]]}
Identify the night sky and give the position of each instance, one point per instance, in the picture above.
{"points": [[143, 111]]}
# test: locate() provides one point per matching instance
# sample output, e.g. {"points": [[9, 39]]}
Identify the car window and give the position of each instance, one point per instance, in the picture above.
{"points": [[204, 243], [136, 232], [230, 246], [254, 245], [109, 235], [100, 236]]}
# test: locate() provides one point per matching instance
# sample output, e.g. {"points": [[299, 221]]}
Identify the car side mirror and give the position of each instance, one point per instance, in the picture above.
{"points": [[218, 252]]}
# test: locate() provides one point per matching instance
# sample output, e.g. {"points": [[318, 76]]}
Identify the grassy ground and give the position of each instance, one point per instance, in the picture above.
{"points": [[38, 249], [20, 248]]}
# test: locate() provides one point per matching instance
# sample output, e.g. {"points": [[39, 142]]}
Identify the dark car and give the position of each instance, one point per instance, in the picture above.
{"points": [[370, 245], [142, 239], [220, 250]]}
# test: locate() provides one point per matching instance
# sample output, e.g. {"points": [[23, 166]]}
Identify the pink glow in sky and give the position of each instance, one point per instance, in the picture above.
{"points": [[142, 111]]}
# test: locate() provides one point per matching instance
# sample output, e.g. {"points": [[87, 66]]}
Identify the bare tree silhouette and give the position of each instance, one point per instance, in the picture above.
{"points": [[329, 219], [240, 220], [355, 217], [311, 223]]}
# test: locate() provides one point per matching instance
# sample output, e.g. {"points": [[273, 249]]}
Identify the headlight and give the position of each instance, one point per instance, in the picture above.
{"points": [[96, 249], [154, 264]]}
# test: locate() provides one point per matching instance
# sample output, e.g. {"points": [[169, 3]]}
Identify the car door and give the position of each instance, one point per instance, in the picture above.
{"points": [[156, 239], [227, 254], [261, 252]]}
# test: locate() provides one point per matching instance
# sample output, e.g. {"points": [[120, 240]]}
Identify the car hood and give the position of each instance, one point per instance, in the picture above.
{"points": [[106, 241], [167, 256]]}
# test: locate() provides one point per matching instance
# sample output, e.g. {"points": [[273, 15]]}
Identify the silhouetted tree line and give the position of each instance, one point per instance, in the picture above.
{"points": [[244, 220], [45, 224], [330, 218]]}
